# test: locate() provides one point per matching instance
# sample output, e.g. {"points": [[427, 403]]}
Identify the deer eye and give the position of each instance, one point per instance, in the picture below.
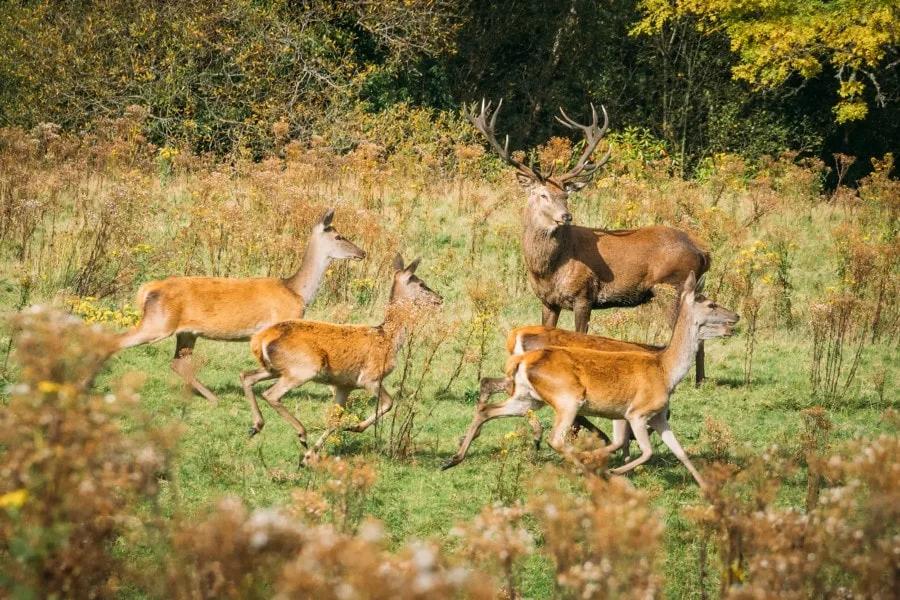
{"points": [[339, 238]]}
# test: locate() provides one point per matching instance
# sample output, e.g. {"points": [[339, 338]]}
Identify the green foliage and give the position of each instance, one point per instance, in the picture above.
{"points": [[215, 74], [776, 39]]}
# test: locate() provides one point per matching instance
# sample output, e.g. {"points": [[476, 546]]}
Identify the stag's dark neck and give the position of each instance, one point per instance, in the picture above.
{"points": [[544, 249]]}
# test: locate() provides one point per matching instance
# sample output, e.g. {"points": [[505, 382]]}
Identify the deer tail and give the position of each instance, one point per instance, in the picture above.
{"points": [[512, 365]]}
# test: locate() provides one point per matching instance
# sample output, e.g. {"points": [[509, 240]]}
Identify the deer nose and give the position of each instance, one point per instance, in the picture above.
{"points": [[567, 217]]}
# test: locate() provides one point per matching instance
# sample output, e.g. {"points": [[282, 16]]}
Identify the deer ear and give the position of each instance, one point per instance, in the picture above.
{"points": [[327, 217], [690, 285], [524, 180], [398, 262], [411, 267], [701, 283]]}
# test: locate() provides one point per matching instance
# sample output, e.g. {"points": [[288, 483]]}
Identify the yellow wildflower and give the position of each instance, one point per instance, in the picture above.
{"points": [[48, 387], [14, 499]]}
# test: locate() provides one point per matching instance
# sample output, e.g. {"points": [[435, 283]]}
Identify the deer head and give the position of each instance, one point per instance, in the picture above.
{"points": [[711, 320], [548, 194], [409, 288], [331, 243]]}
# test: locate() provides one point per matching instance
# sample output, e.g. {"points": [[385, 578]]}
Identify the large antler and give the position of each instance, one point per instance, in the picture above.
{"points": [[593, 135], [486, 128]]}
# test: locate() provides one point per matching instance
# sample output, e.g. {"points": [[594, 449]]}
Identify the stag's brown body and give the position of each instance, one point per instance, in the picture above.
{"points": [[580, 268]]}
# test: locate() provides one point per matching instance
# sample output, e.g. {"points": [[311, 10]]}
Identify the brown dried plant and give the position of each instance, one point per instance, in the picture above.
{"points": [[717, 439], [498, 538], [343, 487], [605, 541], [814, 443], [72, 480], [846, 545]]}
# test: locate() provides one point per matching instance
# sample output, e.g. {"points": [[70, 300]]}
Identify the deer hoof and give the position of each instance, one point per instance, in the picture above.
{"points": [[537, 445], [450, 463], [253, 431], [304, 444]]}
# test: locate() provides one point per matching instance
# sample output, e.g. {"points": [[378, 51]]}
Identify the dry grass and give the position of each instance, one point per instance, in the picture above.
{"points": [[85, 221]]}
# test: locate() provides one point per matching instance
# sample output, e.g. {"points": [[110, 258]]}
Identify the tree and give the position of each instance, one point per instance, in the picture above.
{"points": [[778, 41]]}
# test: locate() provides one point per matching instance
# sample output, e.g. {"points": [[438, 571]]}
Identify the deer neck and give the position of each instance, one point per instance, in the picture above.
{"points": [[308, 278], [544, 249], [397, 319], [678, 356]]}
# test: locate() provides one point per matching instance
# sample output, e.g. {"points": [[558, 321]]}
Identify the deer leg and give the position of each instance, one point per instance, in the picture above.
{"points": [[181, 364], [493, 385], [385, 402], [660, 423], [340, 398], [144, 333], [582, 311], [639, 429], [273, 396], [700, 372], [620, 435], [626, 445], [565, 416], [514, 406], [248, 380], [340, 395], [549, 315], [582, 422]]}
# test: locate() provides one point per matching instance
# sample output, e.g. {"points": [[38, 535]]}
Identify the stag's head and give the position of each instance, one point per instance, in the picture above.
{"points": [[334, 245], [409, 288], [548, 194]]}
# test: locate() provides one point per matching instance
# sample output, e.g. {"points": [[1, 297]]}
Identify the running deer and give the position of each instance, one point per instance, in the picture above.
{"points": [[535, 337], [581, 268], [631, 388], [344, 357], [232, 309]]}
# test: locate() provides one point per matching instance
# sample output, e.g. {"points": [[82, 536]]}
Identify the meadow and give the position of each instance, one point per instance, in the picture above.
{"points": [[796, 426]]}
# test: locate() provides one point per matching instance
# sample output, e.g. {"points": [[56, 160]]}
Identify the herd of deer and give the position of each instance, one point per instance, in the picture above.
{"points": [[569, 267]]}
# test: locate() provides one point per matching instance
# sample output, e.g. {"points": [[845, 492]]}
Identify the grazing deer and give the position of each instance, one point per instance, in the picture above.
{"points": [[232, 309], [344, 357], [580, 268], [632, 387]]}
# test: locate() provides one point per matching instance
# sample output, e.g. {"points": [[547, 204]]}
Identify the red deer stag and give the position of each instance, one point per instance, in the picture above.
{"points": [[344, 357], [633, 388], [232, 309], [581, 268]]}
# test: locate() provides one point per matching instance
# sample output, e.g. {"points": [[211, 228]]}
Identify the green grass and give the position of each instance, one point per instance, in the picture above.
{"points": [[416, 500], [413, 497]]}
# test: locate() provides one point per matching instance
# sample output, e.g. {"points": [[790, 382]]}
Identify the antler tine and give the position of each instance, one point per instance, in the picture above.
{"points": [[485, 123], [592, 135]]}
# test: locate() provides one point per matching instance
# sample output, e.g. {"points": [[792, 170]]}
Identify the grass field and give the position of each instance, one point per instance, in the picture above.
{"points": [[485, 295], [415, 499]]}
